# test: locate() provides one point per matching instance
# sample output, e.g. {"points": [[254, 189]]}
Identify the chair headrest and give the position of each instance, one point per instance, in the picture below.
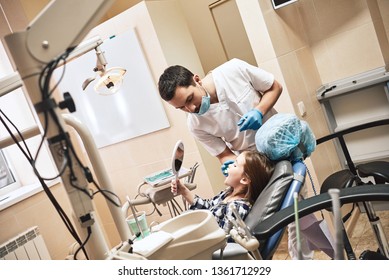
{"points": [[285, 137], [270, 199]]}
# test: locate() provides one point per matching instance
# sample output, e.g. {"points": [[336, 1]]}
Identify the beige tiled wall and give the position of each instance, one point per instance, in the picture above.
{"points": [[384, 10], [285, 28], [342, 37], [319, 41], [379, 11]]}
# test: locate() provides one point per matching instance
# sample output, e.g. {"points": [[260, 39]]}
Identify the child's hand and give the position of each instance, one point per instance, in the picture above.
{"points": [[175, 186]]}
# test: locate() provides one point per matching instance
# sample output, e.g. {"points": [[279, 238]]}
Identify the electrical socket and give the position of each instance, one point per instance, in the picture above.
{"points": [[301, 108]]}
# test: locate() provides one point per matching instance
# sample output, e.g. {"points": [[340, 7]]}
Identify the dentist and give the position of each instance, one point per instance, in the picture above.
{"points": [[226, 107]]}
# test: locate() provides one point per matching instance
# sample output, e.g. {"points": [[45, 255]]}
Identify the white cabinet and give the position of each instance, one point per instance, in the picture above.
{"points": [[357, 100]]}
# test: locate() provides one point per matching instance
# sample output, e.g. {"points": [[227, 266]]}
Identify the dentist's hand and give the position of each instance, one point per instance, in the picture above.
{"points": [[251, 120], [225, 165]]}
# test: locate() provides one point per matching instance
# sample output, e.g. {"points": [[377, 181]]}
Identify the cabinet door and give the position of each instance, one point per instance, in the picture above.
{"points": [[231, 31]]}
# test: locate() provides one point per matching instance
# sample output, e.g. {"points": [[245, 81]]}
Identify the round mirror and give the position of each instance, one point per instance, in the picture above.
{"points": [[178, 157]]}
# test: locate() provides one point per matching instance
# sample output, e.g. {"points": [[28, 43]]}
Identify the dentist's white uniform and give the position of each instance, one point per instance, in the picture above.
{"points": [[218, 126]]}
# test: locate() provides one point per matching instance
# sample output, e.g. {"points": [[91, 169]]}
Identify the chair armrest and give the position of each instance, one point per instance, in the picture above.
{"points": [[285, 216]]}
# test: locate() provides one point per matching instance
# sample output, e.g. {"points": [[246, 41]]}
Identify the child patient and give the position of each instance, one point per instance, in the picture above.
{"points": [[246, 179]]}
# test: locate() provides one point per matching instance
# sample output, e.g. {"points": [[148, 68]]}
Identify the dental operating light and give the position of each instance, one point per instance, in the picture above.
{"points": [[109, 80]]}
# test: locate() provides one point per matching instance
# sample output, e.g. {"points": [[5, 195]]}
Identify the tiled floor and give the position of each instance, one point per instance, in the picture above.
{"points": [[362, 238]]}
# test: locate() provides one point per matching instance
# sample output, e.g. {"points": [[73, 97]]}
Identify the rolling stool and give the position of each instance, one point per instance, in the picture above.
{"points": [[340, 180], [379, 170], [352, 176]]}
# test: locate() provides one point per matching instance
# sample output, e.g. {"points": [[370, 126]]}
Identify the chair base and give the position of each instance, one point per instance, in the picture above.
{"points": [[232, 251]]}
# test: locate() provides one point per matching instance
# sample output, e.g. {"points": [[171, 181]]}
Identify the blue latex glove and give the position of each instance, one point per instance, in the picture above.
{"points": [[251, 120], [225, 165]]}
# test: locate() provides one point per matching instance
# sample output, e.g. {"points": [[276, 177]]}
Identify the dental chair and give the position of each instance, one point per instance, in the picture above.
{"points": [[287, 179], [288, 141]]}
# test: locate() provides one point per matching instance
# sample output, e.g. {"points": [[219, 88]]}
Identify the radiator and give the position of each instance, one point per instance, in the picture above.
{"points": [[28, 245]]}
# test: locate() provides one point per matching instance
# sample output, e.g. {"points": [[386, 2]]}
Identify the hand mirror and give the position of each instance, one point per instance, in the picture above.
{"points": [[177, 158]]}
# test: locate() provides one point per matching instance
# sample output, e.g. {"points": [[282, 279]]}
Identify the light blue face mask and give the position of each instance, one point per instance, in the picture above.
{"points": [[205, 103]]}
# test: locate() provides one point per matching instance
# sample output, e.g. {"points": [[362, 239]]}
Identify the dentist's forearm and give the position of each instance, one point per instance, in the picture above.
{"points": [[269, 98]]}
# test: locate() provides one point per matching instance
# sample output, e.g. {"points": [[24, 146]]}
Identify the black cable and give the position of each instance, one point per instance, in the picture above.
{"points": [[89, 229], [313, 185], [61, 77], [103, 191], [44, 85], [90, 178], [43, 183], [17, 131], [30, 159], [15, 139], [44, 88], [71, 147], [26, 152], [44, 82], [61, 213]]}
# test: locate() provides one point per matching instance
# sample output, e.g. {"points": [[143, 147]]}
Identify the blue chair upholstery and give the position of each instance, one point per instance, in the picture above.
{"points": [[272, 204]]}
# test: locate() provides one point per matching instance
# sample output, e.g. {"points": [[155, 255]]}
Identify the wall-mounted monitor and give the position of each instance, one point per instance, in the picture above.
{"points": [[281, 3]]}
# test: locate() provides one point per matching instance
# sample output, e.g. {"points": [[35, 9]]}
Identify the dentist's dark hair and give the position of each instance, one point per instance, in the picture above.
{"points": [[173, 77]]}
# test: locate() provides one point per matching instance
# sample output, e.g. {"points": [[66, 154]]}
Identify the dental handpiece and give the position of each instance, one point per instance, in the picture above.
{"points": [[239, 115]]}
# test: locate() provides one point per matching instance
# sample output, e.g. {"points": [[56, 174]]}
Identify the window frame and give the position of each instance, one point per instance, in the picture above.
{"points": [[7, 167], [26, 182]]}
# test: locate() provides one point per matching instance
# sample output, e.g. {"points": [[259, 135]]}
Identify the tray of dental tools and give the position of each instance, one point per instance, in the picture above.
{"points": [[165, 176]]}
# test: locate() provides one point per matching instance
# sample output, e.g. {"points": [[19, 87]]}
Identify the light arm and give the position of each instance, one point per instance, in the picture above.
{"points": [[62, 25]]}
